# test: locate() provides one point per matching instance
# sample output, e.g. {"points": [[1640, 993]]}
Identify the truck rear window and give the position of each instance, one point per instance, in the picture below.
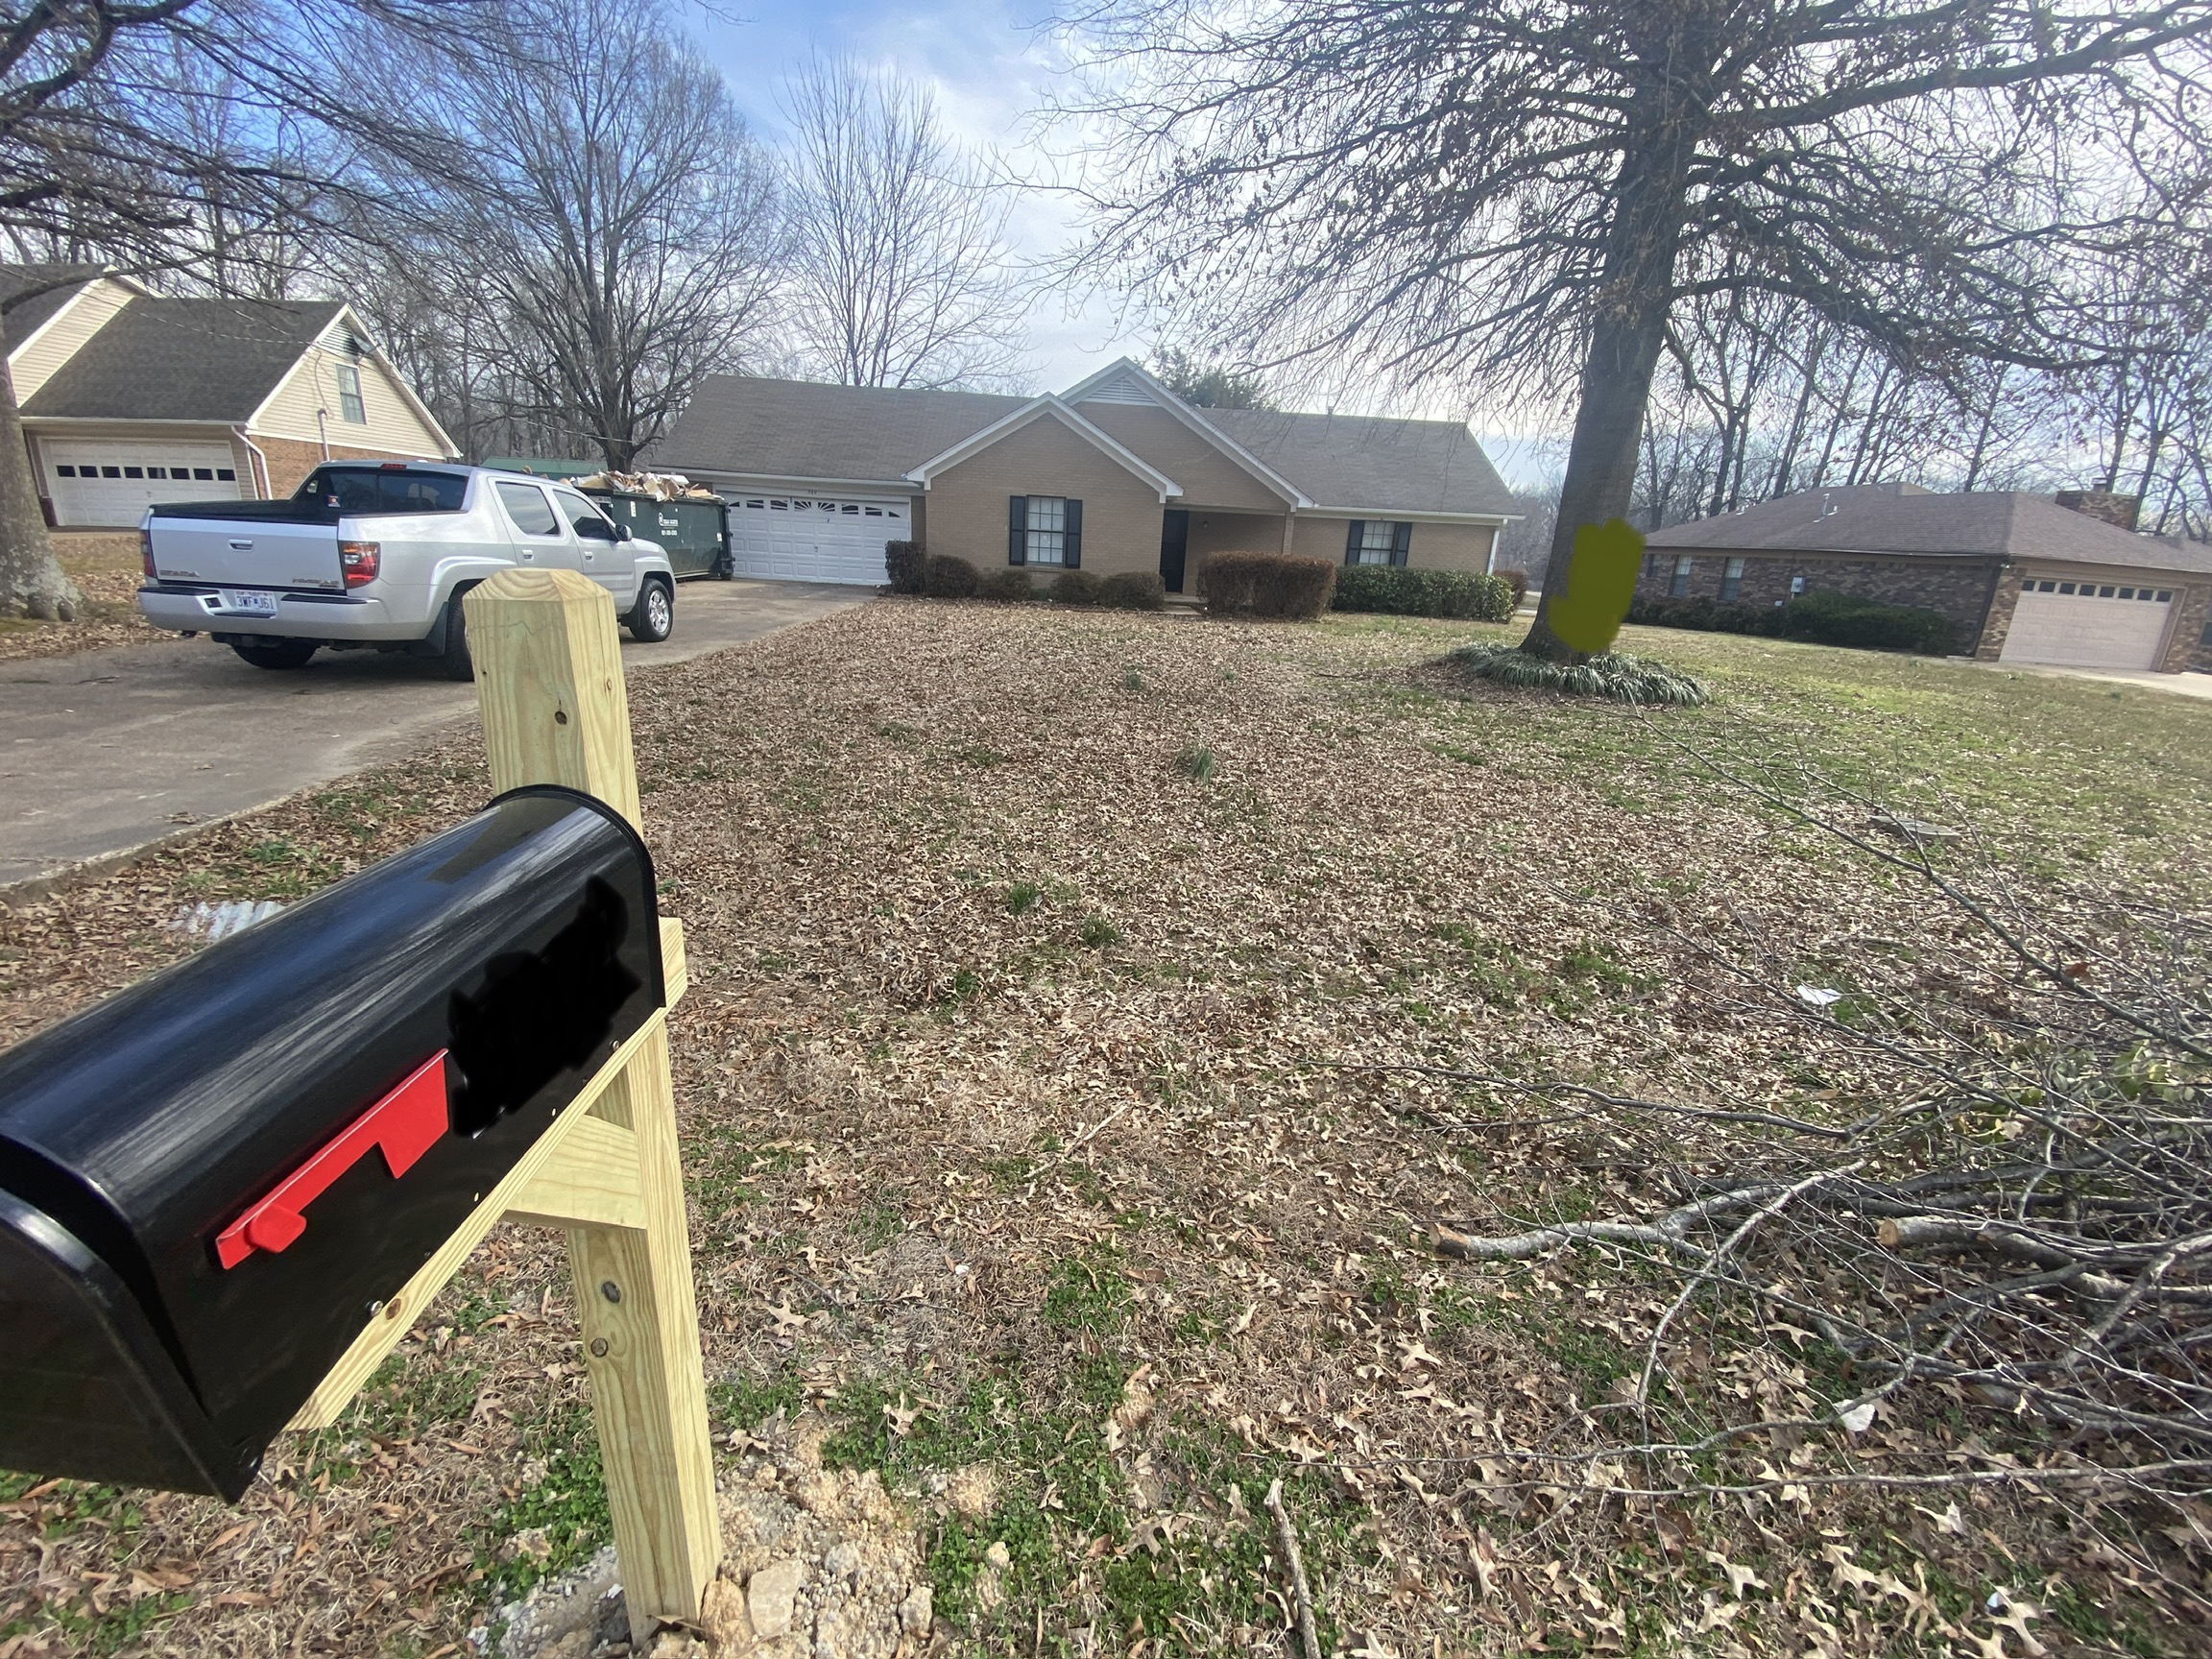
{"points": [[374, 490]]}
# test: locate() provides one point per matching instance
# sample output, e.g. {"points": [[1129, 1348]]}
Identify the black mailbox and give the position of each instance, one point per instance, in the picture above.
{"points": [[209, 1181]]}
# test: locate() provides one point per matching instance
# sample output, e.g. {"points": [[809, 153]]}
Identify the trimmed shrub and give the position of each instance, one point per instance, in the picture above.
{"points": [[1008, 585], [946, 577], [1706, 615], [1274, 585], [1519, 579], [1077, 588], [1399, 591], [1133, 590], [1843, 619], [1821, 618], [903, 565], [1615, 675]]}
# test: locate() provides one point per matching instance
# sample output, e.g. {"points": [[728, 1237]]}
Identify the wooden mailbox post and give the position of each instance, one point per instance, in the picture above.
{"points": [[549, 687]]}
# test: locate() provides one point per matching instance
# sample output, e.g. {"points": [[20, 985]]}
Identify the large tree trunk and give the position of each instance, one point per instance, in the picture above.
{"points": [[1626, 339], [31, 582]]}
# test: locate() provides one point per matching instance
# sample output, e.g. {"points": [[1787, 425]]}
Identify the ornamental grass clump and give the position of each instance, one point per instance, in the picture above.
{"points": [[1615, 675]]}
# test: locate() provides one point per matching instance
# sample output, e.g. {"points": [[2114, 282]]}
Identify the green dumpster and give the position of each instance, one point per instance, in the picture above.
{"points": [[693, 530]]}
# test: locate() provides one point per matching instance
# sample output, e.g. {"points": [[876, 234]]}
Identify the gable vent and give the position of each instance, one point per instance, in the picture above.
{"points": [[1122, 388]]}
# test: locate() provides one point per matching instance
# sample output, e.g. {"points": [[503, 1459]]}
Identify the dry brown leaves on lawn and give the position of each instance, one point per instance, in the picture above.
{"points": [[1033, 958]]}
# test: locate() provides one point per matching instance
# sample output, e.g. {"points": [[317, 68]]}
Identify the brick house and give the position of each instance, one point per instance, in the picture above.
{"points": [[1115, 474], [128, 398], [2023, 578]]}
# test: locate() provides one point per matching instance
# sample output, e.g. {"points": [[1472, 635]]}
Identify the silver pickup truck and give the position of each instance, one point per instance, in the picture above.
{"points": [[377, 556]]}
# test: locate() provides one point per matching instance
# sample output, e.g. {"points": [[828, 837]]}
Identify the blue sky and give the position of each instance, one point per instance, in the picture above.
{"points": [[990, 69]]}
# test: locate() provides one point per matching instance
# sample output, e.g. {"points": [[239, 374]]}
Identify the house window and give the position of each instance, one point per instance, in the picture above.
{"points": [[1047, 530], [1377, 542], [1731, 579], [1680, 586], [351, 408]]}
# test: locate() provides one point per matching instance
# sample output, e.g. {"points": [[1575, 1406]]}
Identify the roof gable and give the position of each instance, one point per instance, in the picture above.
{"points": [[1047, 407], [157, 359], [1126, 381]]}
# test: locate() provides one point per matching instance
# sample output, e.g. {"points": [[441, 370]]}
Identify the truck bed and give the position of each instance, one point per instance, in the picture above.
{"points": [[289, 511]]}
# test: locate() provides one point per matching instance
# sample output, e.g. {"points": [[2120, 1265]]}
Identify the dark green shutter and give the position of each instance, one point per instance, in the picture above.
{"points": [[1073, 542], [1352, 539], [1401, 542], [1016, 529]]}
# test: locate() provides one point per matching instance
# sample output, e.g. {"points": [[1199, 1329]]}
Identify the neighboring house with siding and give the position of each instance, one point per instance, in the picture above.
{"points": [[129, 398], [1115, 474], [2023, 578]]}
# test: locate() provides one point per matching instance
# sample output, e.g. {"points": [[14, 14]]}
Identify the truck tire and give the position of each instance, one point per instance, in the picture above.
{"points": [[653, 618], [279, 653], [454, 662]]}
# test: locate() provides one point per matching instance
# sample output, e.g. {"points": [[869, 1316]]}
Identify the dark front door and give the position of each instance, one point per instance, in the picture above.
{"points": [[1174, 538]]}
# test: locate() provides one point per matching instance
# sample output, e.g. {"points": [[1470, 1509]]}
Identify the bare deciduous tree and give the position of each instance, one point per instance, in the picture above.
{"points": [[158, 135], [598, 235], [1526, 193], [902, 273]]}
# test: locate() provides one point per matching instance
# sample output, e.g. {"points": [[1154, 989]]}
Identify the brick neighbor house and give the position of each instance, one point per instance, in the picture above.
{"points": [[1115, 474], [2023, 578], [129, 398]]}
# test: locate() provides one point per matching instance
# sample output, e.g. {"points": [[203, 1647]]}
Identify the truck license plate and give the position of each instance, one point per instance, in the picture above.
{"points": [[249, 601]]}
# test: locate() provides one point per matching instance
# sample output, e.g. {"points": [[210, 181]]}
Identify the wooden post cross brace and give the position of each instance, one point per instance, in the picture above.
{"points": [[550, 685]]}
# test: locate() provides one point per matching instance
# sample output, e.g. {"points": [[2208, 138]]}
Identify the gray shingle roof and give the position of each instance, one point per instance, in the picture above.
{"points": [[184, 360], [1371, 460], [801, 430], [804, 430], [50, 285], [1906, 519]]}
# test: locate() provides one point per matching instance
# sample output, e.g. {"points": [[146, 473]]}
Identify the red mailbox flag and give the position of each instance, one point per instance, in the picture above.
{"points": [[403, 1125]]}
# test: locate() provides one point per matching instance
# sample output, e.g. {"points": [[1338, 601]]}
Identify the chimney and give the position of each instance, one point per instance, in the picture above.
{"points": [[2115, 510]]}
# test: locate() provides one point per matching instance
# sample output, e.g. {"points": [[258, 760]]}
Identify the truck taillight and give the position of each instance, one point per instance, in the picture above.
{"points": [[146, 554], [360, 561]]}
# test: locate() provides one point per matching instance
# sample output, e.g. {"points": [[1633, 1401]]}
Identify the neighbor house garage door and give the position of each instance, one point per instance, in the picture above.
{"points": [[113, 484], [2089, 625], [814, 538]]}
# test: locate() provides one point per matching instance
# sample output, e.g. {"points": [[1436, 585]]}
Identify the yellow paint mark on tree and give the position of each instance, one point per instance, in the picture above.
{"points": [[1601, 581]]}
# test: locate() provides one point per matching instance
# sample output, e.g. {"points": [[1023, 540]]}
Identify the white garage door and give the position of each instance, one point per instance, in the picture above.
{"points": [[2088, 624], [112, 484], [814, 538]]}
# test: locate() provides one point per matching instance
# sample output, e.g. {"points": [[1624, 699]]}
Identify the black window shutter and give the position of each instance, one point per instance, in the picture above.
{"points": [[1358, 535], [1401, 542], [1016, 529], [1074, 543]]}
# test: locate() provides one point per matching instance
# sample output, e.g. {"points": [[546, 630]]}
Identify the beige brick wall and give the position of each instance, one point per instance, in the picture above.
{"points": [[1205, 473], [291, 460], [1121, 512], [1434, 547]]}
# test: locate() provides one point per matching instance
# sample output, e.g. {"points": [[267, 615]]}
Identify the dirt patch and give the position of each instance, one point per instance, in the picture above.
{"points": [[1028, 1155]]}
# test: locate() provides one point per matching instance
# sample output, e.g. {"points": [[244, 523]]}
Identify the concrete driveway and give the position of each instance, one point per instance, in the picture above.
{"points": [[106, 751], [2184, 685]]}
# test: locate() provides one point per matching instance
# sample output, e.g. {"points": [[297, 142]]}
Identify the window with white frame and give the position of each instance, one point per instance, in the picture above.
{"points": [[1047, 530], [1377, 535], [350, 407], [1731, 579], [1680, 586]]}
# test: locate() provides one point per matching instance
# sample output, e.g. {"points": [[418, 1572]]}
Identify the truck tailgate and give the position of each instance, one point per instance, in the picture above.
{"points": [[239, 553]]}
